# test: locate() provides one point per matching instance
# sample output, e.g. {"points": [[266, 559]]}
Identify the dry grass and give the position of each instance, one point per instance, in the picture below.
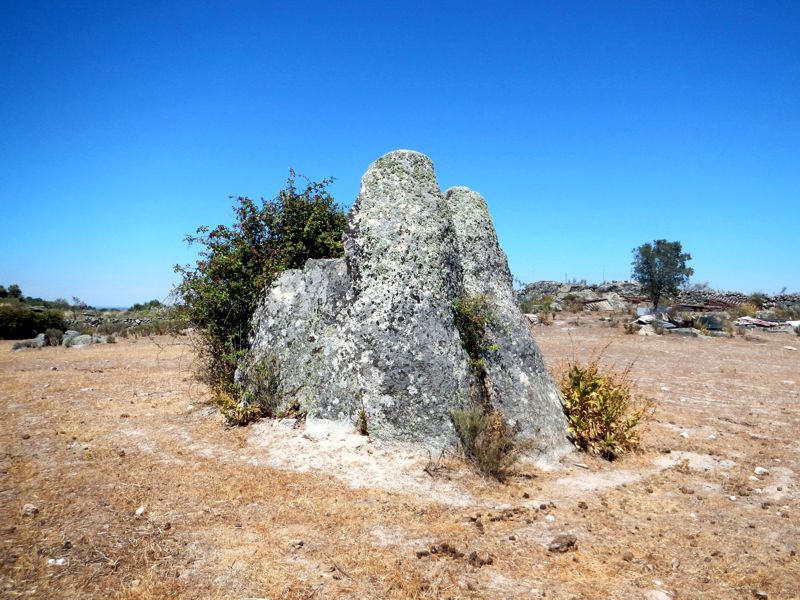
{"points": [[108, 431]]}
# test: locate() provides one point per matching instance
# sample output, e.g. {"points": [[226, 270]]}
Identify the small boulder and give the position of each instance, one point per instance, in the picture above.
{"points": [[80, 340], [68, 336], [29, 510], [563, 543]]}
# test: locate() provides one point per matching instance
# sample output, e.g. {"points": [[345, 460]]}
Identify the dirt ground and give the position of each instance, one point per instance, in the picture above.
{"points": [[138, 491]]}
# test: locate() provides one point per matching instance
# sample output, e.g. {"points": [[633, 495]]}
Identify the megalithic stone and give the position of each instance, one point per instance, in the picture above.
{"points": [[521, 387], [375, 331]]}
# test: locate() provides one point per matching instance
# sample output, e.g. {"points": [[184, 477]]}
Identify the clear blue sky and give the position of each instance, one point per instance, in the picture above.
{"points": [[589, 127]]}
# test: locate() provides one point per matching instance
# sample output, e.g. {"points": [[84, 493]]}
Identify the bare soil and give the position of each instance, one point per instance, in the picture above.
{"points": [[141, 492]]}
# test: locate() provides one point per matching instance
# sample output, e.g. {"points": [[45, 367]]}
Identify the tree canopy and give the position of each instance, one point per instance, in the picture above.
{"points": [[661, 268]]}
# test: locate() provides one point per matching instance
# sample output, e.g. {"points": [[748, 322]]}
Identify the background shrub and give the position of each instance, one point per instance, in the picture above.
{"points": [[17, 322], [602, 410], [53, 336]]}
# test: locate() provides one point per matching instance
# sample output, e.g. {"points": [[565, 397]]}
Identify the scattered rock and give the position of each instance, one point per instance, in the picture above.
{"points": [[56, 562], [478, 561], [297, 544], [563, 543], [760, 594], [140, 511], [79, 340], [657, 595], [689, 331], [582, 505], [761, 471], [26, 436], [29, 510]]}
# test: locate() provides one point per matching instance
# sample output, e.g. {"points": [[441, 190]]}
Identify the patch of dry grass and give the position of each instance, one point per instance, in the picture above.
{"points": [[220, 523]]}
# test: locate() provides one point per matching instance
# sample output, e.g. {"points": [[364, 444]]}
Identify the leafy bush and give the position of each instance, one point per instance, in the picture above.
{"points": [[473, 315], [758, 299], [602, 410], [18, 322], [145, 306], [53, 336], [542, 305], [787, 313], [743, 310], [487, 440], [260, 393], [572, 303], [361, 425], [218, 295]]}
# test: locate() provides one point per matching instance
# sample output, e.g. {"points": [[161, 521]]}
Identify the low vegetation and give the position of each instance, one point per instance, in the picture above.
{"points": [[602, 409], [20, 322], [486, 440]]}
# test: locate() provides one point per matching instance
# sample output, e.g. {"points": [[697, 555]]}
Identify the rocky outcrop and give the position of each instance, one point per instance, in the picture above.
{"points": [[375, 331], [621, 296], [40, 341]]}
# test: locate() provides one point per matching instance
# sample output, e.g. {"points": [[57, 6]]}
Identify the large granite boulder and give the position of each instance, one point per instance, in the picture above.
{"points": [[375, 330]]}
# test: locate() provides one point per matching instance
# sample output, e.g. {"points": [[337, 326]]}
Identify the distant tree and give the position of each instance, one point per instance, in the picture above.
{"points": [[3, 292], [146, 305], [661, 268], [14, 291]]}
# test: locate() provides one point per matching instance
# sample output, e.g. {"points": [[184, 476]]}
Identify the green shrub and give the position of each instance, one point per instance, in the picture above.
{"points": [[572, 303], [218, 294], [145, 306], [542, 305], [18, 322], [758, 299], [602, 410], [53, 336], [743, 310], [487, 440], [361, 425], [473, 315], [259, 389]]}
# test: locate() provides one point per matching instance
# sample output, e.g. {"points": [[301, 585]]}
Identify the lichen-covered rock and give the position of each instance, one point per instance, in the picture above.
{"points": [[375, 331], [521, 387], [40, 341]]}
